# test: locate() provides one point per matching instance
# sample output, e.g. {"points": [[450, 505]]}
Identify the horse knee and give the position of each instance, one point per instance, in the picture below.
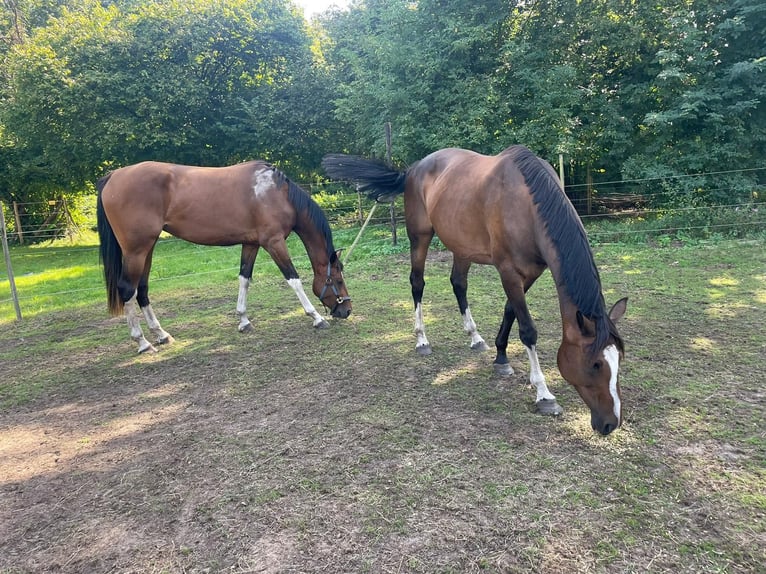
{"points": [[528, 335]]}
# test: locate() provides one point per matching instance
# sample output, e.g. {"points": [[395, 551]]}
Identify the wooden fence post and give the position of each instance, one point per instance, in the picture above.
{"points": [[7, 253], [19, 231]]}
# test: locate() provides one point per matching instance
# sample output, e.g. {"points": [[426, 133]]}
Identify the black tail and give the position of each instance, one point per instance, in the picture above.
{"points": [[110, 253], [375, 178]]}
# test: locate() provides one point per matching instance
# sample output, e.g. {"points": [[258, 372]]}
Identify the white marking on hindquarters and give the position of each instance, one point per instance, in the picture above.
{"points": [[244, 321], [307, 306], [536, 376], [612, 356], [263, 181], [420, 328], [469, 326]]}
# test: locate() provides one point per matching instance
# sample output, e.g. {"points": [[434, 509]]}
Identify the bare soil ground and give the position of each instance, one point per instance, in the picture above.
{"points": [[294, 450]]}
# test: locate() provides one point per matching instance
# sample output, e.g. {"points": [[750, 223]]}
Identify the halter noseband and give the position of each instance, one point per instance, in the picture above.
{"points": [[339, 300]]}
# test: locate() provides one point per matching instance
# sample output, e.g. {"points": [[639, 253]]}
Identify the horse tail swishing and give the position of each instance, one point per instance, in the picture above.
{"points": [[374, 178], [110, 253], [509, 211]]}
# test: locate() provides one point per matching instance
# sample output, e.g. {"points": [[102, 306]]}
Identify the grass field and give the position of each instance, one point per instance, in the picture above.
{"points": [[295, 450]]}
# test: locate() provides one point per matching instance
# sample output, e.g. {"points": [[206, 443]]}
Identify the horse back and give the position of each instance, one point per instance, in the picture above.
{"points": [[206, 205], [478, 205]]}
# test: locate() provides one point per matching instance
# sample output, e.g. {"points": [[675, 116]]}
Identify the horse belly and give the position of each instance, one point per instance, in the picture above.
{"points": [[210, 228]]}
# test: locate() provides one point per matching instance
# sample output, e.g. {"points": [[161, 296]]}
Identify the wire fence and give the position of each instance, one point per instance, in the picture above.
{"points": [[619, 218]]}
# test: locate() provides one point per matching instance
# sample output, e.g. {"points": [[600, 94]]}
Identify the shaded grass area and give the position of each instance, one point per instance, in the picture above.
{"points": [[295, 450]]}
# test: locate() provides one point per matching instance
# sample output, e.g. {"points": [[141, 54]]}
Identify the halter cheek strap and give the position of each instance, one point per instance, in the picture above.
{"points": [[339, 300]]}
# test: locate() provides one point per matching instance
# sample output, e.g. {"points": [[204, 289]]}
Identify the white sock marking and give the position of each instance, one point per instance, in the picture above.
{"points": [[307, 306], [469, 326], [420, 328], [536, 376]]}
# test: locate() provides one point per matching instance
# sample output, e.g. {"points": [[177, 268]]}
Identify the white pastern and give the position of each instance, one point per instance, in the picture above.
{"points": [[134, 324], [244, 284], [263, 181], [536, 376], [612, 356], [160, 335], [307, 306], [420, 328], [470, 327]]}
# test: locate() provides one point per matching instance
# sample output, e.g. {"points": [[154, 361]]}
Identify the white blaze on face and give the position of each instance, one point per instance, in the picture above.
{"points": [[263, 181], [612, 356]]}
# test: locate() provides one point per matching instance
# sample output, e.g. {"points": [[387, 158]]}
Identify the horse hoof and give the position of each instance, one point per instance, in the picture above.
{"points": [[323, 325], [246, 328], [503, 369], [423, 350], [166, 340], [548, 407], [481, 346], [149, 348]]}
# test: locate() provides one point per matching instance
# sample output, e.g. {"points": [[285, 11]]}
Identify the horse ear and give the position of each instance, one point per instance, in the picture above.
{"points": [[586, 326], [618, 309]]}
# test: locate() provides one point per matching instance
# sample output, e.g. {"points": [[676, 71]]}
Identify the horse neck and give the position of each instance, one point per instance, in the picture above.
{"points": [[567, 307], [314, 241]]}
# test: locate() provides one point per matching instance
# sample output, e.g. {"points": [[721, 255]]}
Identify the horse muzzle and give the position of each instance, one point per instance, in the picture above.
{"points": [[603, 425], [342, 308]]}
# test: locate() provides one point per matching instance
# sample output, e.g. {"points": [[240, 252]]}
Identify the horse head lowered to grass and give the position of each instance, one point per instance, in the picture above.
{"points": [[252, 204], [509, 211]]}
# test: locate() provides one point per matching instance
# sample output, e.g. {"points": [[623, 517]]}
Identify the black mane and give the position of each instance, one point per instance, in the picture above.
{"points": [[302, 202], [579, 275]]}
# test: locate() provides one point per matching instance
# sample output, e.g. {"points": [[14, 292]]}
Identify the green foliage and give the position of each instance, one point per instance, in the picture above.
{"points": [[632, 90], [188, 82]]}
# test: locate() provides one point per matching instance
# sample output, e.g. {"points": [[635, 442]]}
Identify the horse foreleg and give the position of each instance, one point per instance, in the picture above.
{"points": [[278, 252], [319, 321], [134, 324], [516, 307], [501, 364], [545, 401], [459, 281]]}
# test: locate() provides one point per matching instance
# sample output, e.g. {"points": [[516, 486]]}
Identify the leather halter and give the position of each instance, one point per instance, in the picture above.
{"points": [[339, 300]]}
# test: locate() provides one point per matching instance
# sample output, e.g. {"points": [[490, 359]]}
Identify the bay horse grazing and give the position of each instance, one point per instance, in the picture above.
{"points": [[252, 204], [509, 211]]}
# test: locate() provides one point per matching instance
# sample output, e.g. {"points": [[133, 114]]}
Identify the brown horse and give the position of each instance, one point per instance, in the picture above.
{"points": [[509, 211], [252, 204]]}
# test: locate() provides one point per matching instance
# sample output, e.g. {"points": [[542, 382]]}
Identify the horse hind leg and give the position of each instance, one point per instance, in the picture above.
{"points": [[418, 250], [161, 337], [246, 264], [459, 280], [134, 325]]}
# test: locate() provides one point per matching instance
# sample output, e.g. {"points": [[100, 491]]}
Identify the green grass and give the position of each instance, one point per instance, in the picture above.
{"points": [[342, 450]]}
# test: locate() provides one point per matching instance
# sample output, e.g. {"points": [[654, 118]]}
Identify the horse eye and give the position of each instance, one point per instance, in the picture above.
{"points": [[597, 366]]}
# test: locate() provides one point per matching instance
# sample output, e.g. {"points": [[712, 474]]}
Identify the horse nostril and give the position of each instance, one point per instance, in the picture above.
{"points": [[608, 428]]}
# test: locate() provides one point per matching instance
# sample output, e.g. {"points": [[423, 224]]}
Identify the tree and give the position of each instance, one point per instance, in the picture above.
{"points": [[426, 67], [190, 81]]}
